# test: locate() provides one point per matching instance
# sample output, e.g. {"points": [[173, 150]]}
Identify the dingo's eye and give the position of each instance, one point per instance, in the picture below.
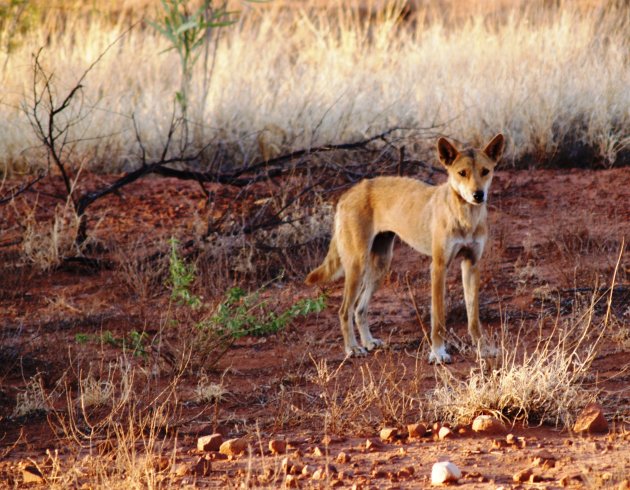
{"points": [[485, 172], [462, 173]]}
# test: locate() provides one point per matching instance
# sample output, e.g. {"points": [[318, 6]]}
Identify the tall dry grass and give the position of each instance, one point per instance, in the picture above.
{"points": [[553, 78]]}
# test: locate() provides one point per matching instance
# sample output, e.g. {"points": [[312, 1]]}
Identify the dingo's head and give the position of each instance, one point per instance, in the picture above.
{"points": [[470, 171]]}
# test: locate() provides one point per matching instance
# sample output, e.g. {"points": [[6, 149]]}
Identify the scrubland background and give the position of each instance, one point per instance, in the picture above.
{"points": [[552, 75]]}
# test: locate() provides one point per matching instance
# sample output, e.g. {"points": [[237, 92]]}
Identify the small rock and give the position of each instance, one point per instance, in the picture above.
{"points": [[416, 430], [307, 470], [444, 472], [372, 445], [202, 467], [30, 474], [388, 434], [291, 481], [324, 473], [544, 459], [406, 472], [511, 439], [463, 430], [343, 458], [327, 440], [499, 444], [535, 478], [317, 452], [378, 473], [445, 433], [591, 420], [233, 447], [523, 475], [210, 443], [488, 424], [318, 474], [277, 446]]}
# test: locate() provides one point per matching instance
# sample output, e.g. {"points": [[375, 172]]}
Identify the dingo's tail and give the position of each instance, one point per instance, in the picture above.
{"points": [[330, 268]]}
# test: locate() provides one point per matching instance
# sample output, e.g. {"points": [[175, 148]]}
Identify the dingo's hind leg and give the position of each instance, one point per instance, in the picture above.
{"points": [[380, 259], [354, 271]]}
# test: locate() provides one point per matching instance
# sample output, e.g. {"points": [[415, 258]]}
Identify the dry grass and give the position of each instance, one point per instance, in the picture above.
{"points": [[376, 394], [46, 242], [545, 381], [116, 431], [554, 79]]}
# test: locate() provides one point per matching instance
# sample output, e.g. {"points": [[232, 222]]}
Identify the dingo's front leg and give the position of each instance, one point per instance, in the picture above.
{"points": [[470, 280], [438, 353]]}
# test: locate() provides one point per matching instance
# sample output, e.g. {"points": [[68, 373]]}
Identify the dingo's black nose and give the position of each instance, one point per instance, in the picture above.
{"points": [[478, 196]]}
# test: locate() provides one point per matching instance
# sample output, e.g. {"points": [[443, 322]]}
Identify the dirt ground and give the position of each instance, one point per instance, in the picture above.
{"points": [[556, 242]]}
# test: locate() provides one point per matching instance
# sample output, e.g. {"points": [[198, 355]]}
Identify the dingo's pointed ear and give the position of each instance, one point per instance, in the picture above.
{"points": [[494, 149], [446, 151]]}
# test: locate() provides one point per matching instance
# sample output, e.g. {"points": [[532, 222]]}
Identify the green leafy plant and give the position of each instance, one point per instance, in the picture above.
{"points": [[242, 314], [134, 341], [181, 276], [186, 30]]}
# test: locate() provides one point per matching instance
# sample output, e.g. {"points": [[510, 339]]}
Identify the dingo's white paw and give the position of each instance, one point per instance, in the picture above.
{"points": [[355, 351], [373, 344], [439, 356]]}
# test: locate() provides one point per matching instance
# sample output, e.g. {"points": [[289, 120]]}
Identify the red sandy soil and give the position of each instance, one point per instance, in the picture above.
{"points": [[556, 235]]}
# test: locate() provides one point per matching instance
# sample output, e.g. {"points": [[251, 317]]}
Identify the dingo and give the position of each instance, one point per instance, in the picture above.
{"points": [[442, 221]]}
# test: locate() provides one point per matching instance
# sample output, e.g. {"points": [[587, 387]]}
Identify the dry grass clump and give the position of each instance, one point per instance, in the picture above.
{"points": [[553, 78], [45, 243], [116, 430], [548, 381], [32, 399], [378, 393]]}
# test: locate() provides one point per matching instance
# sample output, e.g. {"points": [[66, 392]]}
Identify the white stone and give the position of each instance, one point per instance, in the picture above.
{"points": [[445, 472]]}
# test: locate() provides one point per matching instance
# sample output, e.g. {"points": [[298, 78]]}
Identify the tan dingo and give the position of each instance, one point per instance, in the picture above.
{"points": [[444, 222]]}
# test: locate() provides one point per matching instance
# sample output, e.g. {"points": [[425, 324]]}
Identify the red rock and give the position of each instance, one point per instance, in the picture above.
{"points": [[416, 430], [233, 447], [388, 434], [291, 481], [544, 459], [202, 467], [591, 420], [372, 445], [210, 443], [523, 475], [445, 433], [30, 474], [277, 446], [343, 458], [487, 424]]}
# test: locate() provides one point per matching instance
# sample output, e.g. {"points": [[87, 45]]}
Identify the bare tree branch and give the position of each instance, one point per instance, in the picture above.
{"points": [[13, 193]]}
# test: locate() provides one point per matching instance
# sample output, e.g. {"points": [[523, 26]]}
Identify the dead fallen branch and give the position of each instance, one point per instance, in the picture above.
{"points": [[16, 191]]}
